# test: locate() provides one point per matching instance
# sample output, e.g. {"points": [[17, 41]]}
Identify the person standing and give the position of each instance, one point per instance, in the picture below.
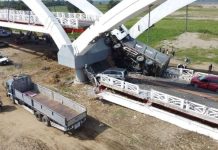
{"points": [[210, 68]]}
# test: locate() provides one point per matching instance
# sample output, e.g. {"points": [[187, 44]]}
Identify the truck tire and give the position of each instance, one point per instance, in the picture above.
{"points": [[140, 58], [38, 116], [117, 46], [20, 102], [46, 121]]}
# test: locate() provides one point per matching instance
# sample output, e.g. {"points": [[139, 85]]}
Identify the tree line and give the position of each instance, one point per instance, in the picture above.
{"points": [[19, 5]]}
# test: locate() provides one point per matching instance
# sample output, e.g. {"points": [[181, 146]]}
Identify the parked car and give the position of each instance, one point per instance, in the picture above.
{"points": [[4, 60], [209, 82], [119, 73]]}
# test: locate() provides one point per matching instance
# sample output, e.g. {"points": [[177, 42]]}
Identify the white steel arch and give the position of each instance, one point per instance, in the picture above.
{"points": [[157, 14], [49, 22], [121, 12], [51, 25]]}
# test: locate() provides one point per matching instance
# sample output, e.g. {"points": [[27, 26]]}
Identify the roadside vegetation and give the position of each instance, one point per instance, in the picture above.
{"points": [[169, 29], [198, 56]]}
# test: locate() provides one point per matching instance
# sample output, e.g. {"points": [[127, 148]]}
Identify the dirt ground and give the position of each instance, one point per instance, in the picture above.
{"points": [[108, 127], [194, 41], [190, 40]]}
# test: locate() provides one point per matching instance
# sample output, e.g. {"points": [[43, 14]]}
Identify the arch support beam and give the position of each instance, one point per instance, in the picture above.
{"points": [[53, 27], [157, 14], [114, 17]]}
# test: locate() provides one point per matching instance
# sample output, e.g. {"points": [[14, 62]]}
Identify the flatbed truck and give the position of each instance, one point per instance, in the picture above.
{"points": [[48, 106]]}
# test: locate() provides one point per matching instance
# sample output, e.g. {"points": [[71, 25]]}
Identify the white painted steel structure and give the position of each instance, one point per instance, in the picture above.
{"points": [[114, 17], [185, 106], [67, 20], [49, 22], [121, 12], [179, 73], [157, 14], [147, 109]]}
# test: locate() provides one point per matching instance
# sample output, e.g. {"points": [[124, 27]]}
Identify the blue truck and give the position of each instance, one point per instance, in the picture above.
{"points": [[48, 106]]}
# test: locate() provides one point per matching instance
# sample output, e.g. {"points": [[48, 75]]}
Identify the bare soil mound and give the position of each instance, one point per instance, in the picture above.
{"points": [[189, 40]]}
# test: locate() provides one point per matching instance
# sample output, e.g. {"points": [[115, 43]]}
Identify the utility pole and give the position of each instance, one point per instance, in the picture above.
{"points": [[149, 22], [186, 20], [8, 10]]}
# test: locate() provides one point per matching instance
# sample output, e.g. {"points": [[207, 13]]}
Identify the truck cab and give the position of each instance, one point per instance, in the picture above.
{"points": [[21, 82]]}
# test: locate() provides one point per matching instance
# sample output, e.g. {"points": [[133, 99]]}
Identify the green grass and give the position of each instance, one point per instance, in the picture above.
{"points": [[198, 55], [58, 9], [74, 36], [103, 7], [168, 29]]}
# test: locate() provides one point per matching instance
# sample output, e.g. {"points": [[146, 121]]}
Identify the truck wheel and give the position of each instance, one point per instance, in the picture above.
{"points": [[38, 116], [46, 121], [116, 46], [140, 58], [20, 102]]}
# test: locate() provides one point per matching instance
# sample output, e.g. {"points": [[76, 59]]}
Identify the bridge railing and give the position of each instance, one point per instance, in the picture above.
{"points": [[74, 20], [119, 84], [179, 104]]}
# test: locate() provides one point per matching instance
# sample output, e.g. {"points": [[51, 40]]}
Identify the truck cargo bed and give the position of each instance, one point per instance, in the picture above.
{"points": [[56, 107]]}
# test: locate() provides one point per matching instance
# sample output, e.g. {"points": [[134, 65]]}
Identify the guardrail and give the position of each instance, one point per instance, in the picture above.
{"points": [[71, 20], [119, 84], [183, 74], [179, 73], [173, 102]]}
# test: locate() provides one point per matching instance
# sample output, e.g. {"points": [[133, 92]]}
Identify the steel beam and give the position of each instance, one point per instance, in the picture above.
{"points": [[116, 16]]}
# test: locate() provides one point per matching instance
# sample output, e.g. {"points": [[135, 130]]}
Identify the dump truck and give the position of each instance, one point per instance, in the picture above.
{"points": [[134, 55], [48, 106]]}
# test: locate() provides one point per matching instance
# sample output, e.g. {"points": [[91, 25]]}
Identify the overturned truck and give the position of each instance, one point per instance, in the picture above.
{"points": [[134, 55]]}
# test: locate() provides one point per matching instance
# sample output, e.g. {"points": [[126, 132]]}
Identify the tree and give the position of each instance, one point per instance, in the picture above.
{"points": [[112, 3]]}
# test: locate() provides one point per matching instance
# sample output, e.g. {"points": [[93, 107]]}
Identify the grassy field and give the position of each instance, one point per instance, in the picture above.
{"points": [[198, 56], [168, 29], [58, 9]]}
